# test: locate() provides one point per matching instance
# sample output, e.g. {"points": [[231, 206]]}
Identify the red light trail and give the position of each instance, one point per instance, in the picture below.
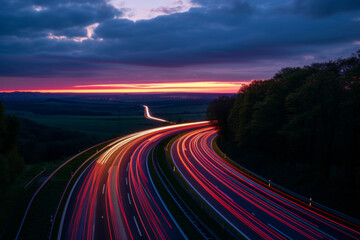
{"points": [[115, 198], [252, 208]]}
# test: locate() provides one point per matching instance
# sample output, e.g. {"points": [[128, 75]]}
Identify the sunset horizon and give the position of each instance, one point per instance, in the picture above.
{"points": [[156, 87]]}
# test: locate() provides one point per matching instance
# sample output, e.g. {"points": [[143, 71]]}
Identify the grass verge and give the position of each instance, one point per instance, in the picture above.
{"points": [[67, 189], [219, 227], [37, 224], [189, 230], [14, 197]]}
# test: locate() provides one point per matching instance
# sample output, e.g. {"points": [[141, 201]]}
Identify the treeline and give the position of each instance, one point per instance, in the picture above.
{"points": [[11, 162], [307, 115]]}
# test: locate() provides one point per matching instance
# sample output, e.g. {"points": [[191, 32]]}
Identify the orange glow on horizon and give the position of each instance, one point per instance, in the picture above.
{"points": [[172, 87]]}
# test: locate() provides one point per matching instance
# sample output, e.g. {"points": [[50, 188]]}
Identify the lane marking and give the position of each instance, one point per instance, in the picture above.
{"points": [[137, 226], [103, 190], [280, 231], [182, 175], [126, 181], [127, 168], [129, 198]]}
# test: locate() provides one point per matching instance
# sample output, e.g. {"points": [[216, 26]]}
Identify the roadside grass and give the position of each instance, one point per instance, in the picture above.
{"points": [[61, 203], [14, 198], [204, 212], [37, 224], [232, 163]]}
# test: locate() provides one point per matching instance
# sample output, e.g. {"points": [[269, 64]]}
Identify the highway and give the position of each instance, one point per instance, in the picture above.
{"points": [[115, 198], [250, 208]]}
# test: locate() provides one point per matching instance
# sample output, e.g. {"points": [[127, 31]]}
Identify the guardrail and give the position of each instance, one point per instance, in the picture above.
{"points": [[180, 203], [32, 180], [213, 216]]}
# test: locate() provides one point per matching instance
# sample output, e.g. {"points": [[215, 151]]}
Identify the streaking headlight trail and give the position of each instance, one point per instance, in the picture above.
{"points": [[114, 198]]}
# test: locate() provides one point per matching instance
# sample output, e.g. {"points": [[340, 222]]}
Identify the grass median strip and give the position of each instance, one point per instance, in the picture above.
{"points": [[184, 223], [214, 228], [213, 220], [15, 197]]}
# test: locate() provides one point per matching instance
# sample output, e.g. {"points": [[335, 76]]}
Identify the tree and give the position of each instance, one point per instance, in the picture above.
{"points": [[11, 162], [219, 110], [307, 114]]}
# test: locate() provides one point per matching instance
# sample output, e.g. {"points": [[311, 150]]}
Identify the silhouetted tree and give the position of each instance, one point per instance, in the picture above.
{"points": [[309, 115], [11, 162], [219, 110]]}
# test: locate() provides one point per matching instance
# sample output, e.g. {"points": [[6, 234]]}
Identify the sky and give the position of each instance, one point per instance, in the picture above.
{"points": [[167, 45]]}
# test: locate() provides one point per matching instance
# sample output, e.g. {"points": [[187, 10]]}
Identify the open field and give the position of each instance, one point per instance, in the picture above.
{"points": [[105, 116], [101, 126]]}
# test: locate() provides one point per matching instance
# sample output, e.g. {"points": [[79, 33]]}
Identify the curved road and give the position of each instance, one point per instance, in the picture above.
{"points": [[250, 207], [115, 198]]}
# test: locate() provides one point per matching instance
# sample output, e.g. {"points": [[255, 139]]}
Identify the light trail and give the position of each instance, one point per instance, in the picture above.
{"points": [[115, 199], [247, 203], [148, 115], [116, 188]]}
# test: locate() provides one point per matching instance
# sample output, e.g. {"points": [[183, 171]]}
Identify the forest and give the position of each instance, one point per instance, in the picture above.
{"points": [[11, 162], [306, 115]]}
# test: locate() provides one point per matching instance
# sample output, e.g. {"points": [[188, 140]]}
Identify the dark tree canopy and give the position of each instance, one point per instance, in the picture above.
{"points": [[309, 114], [11, 161], [218, 110]]}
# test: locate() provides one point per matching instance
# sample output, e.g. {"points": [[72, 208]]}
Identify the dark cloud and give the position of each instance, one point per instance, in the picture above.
{"points": [[224, 36], [324, 8], [221, 31], [25, 18]]}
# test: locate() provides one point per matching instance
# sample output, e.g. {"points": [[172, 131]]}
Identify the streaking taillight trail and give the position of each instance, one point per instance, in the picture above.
{"points": [[247, 205]]}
